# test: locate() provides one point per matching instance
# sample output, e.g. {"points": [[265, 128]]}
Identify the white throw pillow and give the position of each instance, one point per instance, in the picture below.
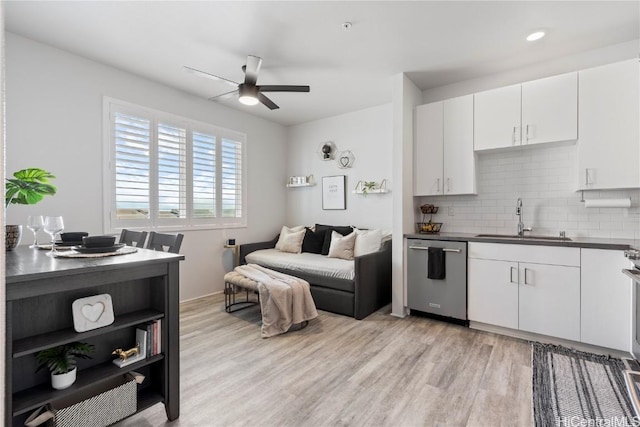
{"points": [[342, 246], [293, 242], [286, 231], [367, 241]]}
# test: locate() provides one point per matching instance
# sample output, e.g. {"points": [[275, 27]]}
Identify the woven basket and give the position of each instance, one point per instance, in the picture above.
{"points": [[106, 404]]}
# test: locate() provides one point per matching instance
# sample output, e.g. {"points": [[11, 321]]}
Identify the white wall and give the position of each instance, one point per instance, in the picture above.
{"points": [[368, 135], [406, 96], [54, 121]]}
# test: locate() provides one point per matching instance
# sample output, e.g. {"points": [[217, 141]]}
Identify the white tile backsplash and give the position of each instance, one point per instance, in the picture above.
{"points": [[544, 177]]}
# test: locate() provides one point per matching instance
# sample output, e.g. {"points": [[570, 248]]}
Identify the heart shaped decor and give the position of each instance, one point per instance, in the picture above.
{"points": [[92, 312], [344, 161]]}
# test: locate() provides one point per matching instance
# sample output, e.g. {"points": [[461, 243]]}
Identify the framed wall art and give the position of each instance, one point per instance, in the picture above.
{"points": [[333, 192]]}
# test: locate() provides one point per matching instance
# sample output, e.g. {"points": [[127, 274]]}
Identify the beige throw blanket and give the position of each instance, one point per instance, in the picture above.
{"points": [[284, 300]]}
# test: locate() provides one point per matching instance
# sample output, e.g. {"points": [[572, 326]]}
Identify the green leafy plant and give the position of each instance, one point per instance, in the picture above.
{"points": [[28, 187], [62, 359], [368, 186]]}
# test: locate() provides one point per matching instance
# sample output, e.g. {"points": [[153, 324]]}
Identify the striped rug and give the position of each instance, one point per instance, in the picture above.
{"points": [[573, 388]]}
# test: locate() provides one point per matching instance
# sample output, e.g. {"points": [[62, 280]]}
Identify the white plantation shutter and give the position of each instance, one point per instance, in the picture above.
{"points": [[204, 175], [231, 156], [168, 171], [172, 171], [132, 143]]}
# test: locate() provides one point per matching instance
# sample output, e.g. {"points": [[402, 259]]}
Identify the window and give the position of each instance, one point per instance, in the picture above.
{"points": [[169, 171]]}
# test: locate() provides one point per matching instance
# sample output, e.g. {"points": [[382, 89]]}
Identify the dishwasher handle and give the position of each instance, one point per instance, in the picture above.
{"points": [[424, 248]]}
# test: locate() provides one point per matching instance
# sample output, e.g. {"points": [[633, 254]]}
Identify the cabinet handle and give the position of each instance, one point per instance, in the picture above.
{"points": [[448, 185], [513, 136], [586, 176], [526, 282], [527, 134], [438, 185], [511, 275]]}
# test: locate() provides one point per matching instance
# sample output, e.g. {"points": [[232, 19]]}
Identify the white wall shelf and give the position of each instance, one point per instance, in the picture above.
{"points": [[381, 188], [307, 184]]}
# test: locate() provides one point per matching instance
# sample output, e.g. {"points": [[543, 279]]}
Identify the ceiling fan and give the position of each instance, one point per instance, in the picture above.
{"points": [[249, 92]]}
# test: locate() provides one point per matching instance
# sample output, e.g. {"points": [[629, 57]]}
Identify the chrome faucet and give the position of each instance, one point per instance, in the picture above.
{"points": [[521, 228]]}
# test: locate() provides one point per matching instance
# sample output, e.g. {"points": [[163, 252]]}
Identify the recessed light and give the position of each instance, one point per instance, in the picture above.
{"points": [[346, 25], [537, 35]]}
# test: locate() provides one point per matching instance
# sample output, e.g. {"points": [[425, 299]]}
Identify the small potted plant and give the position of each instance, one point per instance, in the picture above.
{"points": [[27, 187], [368, 186], [61, 361]]}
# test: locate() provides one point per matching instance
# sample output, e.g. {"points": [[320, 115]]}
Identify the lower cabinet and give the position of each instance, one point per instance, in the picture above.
{"points": [[540, 297], [606, 299]]}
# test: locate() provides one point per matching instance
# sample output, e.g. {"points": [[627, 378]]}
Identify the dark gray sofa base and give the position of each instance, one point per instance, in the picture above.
{"points": [[358, 298]]}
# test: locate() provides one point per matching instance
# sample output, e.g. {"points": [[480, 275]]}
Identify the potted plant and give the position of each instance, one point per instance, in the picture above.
{"points": [[27, 187], [368, 186], [61, 361]]}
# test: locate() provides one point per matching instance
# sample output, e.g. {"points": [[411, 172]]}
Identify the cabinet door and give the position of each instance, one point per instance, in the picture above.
{"points": [[497, 118], [605, 299], [427, 158], [459, 158], [493, 292], [608, 148], [549, 300], [550, 109]]}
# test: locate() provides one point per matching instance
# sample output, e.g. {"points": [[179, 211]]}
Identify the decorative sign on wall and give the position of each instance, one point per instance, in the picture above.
{"points": [[327, 150], [333, 192], [92, 312], [345, 159]]}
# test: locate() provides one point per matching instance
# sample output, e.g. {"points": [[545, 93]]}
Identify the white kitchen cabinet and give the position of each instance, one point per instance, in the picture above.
{"points": [[549, 300], [550, 109], [459, 172], [493, 292], [444, 161], [535, 112], [428, 150], [605, 299], [608, 149], [541, 297], [497, 118]]}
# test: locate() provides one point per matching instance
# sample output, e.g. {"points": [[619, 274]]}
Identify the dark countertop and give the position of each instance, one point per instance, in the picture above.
{"points": [[23, 264], [575, 242]]}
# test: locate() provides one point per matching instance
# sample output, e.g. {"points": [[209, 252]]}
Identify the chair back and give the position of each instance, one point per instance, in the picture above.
{"points": [[159, 241], [133, 238]]}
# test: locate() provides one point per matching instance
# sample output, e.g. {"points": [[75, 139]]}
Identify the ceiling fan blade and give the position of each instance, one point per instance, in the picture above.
{"points": [[252, 69], [266, 101], [284, 88], [208, 75], [213, 98]]}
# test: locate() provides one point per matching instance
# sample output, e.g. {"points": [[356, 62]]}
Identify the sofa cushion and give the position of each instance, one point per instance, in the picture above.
{"points": [[367, 241], [342, 246], [344, 230], [314, 264], [293, 242], [313, 241], [284, 233]]}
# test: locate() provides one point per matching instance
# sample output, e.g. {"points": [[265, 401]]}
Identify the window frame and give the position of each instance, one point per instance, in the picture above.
{"points": [[110, 222]]}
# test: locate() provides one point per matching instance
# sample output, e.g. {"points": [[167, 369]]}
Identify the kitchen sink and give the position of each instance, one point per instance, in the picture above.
{"points": [[526, 237]]}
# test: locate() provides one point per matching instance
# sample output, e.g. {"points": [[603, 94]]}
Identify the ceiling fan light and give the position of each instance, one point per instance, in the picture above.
{"points": [[248, 100], [248, 94]]}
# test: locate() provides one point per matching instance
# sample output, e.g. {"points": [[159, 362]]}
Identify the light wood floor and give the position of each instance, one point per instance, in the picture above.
{"points": [[380, 371]]}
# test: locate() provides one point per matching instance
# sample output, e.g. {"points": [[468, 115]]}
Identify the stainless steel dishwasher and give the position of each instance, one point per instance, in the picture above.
{"points": [[446, 297]]}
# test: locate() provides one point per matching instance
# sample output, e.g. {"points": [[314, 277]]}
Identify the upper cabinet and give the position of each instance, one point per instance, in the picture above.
{"points": [[608, 149], [535, 112], [497, 118], [444, 161]]}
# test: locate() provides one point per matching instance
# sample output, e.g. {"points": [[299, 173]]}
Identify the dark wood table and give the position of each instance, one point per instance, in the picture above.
{"points": [[144, 287]]}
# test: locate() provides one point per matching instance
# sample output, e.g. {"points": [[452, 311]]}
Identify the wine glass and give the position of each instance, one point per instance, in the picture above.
{"points": [[35, 224], [52, 226]]}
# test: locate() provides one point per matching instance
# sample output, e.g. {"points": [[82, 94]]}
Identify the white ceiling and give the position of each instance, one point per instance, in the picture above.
{"points": [[302, 42]]}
